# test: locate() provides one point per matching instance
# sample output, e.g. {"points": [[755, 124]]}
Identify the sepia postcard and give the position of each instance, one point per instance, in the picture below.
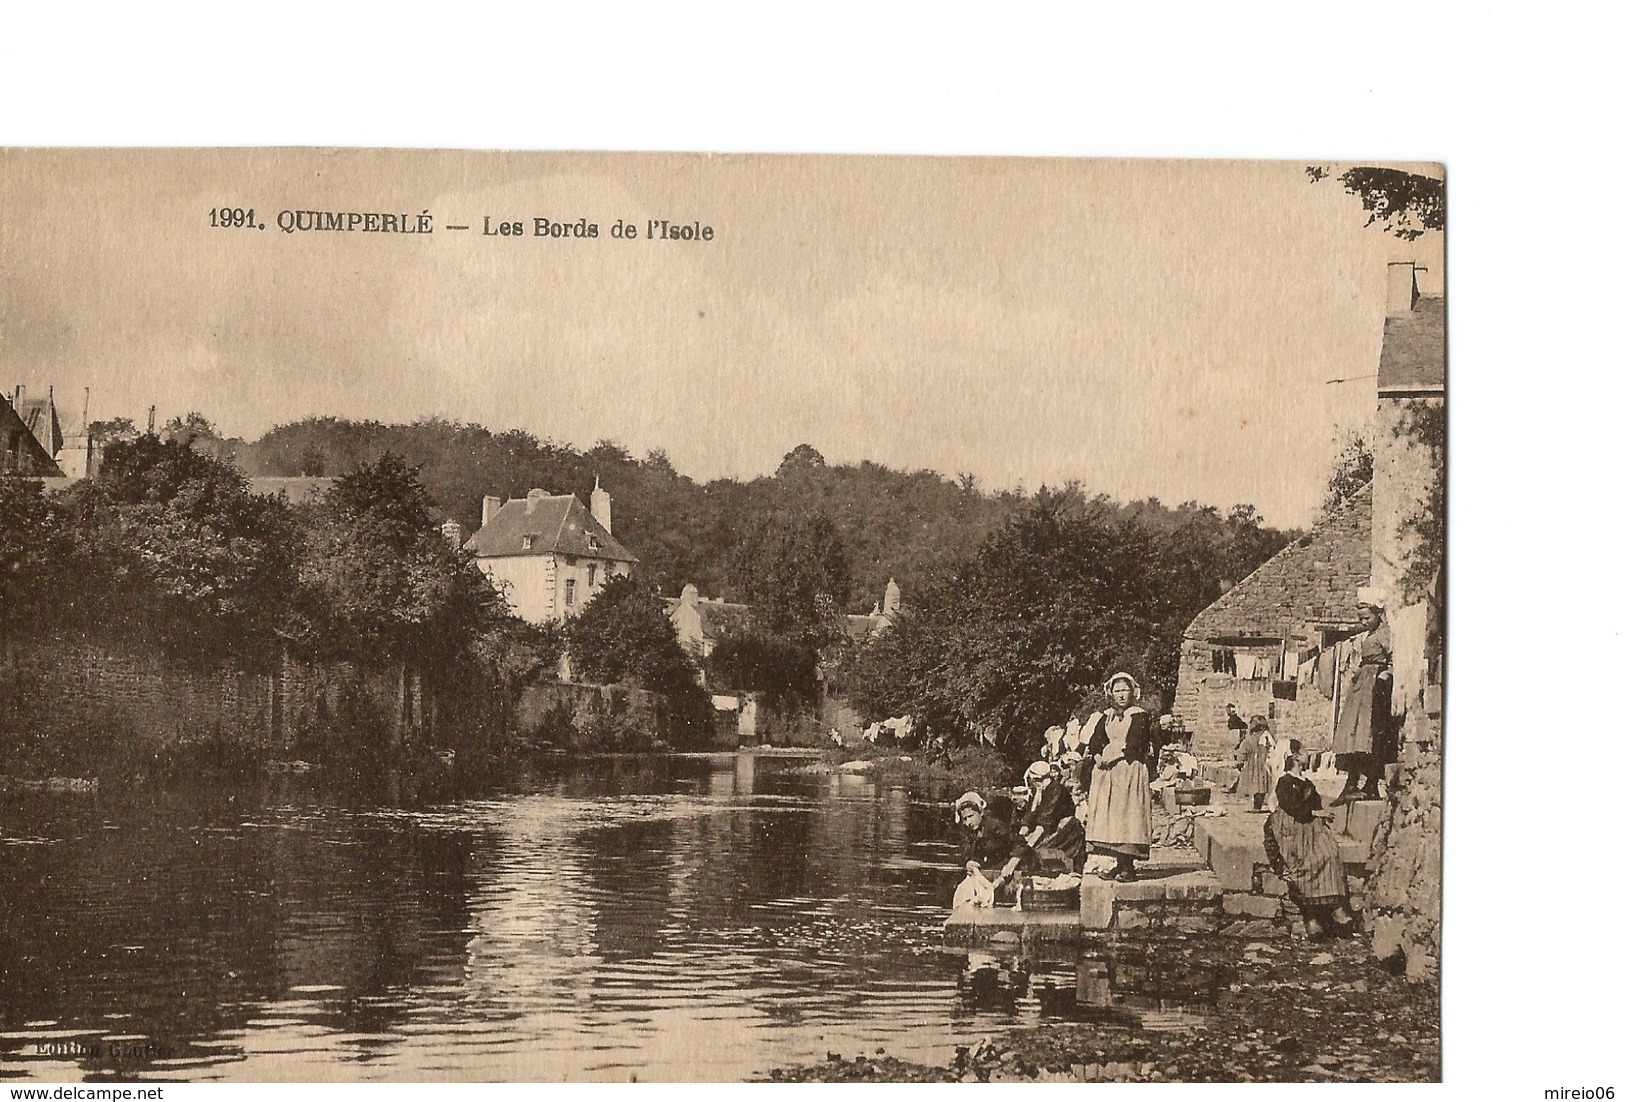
{"points": [[511, 617]]}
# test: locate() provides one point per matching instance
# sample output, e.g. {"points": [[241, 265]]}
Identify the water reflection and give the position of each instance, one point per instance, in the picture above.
{"points": [[665, 918]]}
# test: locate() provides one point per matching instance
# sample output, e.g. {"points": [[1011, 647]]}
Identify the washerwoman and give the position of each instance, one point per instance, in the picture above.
{"points": [[992, 855], [1302, 851], [1257, 747], [1364, 737], [1119, 820]]}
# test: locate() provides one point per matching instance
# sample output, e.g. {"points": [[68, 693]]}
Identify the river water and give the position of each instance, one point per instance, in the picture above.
{"points": [[671, 918]]}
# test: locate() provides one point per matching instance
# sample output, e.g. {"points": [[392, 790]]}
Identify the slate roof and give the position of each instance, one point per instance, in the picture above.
{"points": [[39, 414], [38, 461], [1311, 581], [1413, 347], [560, 525]]}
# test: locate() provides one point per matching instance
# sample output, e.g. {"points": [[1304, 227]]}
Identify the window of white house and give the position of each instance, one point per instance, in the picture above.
{"points": [[528, 543], [592, 574], [569, 560], [570, 591]]}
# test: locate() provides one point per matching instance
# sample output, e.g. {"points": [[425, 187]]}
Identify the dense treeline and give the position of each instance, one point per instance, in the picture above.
{"points": [[167, 549], [911, 525], [1017, 605], [1023, 633], [892, 523]]}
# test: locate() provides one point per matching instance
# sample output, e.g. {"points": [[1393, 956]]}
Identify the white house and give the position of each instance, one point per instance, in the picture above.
{"points": [[548, 553]]}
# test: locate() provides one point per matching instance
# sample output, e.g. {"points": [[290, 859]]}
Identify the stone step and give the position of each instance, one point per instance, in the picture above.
{"points": [[1232, 846], [974, 927], [1359, 820]]}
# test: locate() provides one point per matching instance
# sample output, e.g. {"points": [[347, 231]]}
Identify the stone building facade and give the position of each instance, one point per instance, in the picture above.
{"points": [[1245, 648], [547, 553], [1407, 854]]}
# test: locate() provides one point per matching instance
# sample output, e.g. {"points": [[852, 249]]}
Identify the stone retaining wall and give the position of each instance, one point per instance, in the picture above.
{"points": [[90, 701], [1407, 866], [572, 715]]}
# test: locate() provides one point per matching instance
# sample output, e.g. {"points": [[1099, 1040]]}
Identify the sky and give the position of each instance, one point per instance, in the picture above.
{"points": [[1148, 328]]}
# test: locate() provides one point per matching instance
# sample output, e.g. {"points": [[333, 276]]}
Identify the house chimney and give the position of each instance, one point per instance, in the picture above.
{"points": [[453, 533], [894, 599], [600, 505], [488, 509], [1401, 288]]}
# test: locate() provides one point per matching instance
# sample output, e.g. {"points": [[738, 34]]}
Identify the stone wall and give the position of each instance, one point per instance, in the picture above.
{"points": [[1407, 861], [602, 718], [96, 701], [1407, 865], [1202, 694]]}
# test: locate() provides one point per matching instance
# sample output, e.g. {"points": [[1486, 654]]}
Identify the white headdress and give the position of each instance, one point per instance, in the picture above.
{"points": [[1121, 676], [1371, 596]]}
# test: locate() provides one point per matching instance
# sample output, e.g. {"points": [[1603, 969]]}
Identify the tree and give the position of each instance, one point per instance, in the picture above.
{"points": [[1028, 627], [193, 426], [625, 635], [799, 460], [105, 432], [1407, 204], [787, 674], [170, 540], [28, 532], [1352, 470], [379, 579], [794, 573]]}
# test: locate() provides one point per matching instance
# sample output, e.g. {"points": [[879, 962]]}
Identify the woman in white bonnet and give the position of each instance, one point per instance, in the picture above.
{"points": [[1119, 819]]}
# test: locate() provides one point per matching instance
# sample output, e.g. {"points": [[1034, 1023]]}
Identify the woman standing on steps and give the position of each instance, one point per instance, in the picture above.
{"points": [[1119, 821]]}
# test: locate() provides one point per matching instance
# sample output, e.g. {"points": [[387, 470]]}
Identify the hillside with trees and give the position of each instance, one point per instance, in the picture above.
{"points": [[910, 525], [1016, 604]]}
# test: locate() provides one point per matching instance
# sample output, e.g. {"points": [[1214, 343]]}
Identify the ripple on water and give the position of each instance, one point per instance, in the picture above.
{"points": [[711, 925]]}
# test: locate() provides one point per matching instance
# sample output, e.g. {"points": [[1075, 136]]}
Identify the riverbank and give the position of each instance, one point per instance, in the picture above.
{"points": [[973, 768], [1291, 1012]]}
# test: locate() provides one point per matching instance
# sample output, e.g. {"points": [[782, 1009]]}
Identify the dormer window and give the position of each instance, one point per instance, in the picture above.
{"points": [[528, 542], [592, 542]]}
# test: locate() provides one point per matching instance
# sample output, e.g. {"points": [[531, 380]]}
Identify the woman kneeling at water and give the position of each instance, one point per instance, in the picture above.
{"points": [[993, 856], [1051, 818], [1302, 851]]}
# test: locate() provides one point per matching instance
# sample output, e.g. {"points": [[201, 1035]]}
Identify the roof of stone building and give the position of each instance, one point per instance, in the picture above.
{"points": [[39, 414], [40, 461], [558, 525], [1311, 581], [1413, 349]]}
